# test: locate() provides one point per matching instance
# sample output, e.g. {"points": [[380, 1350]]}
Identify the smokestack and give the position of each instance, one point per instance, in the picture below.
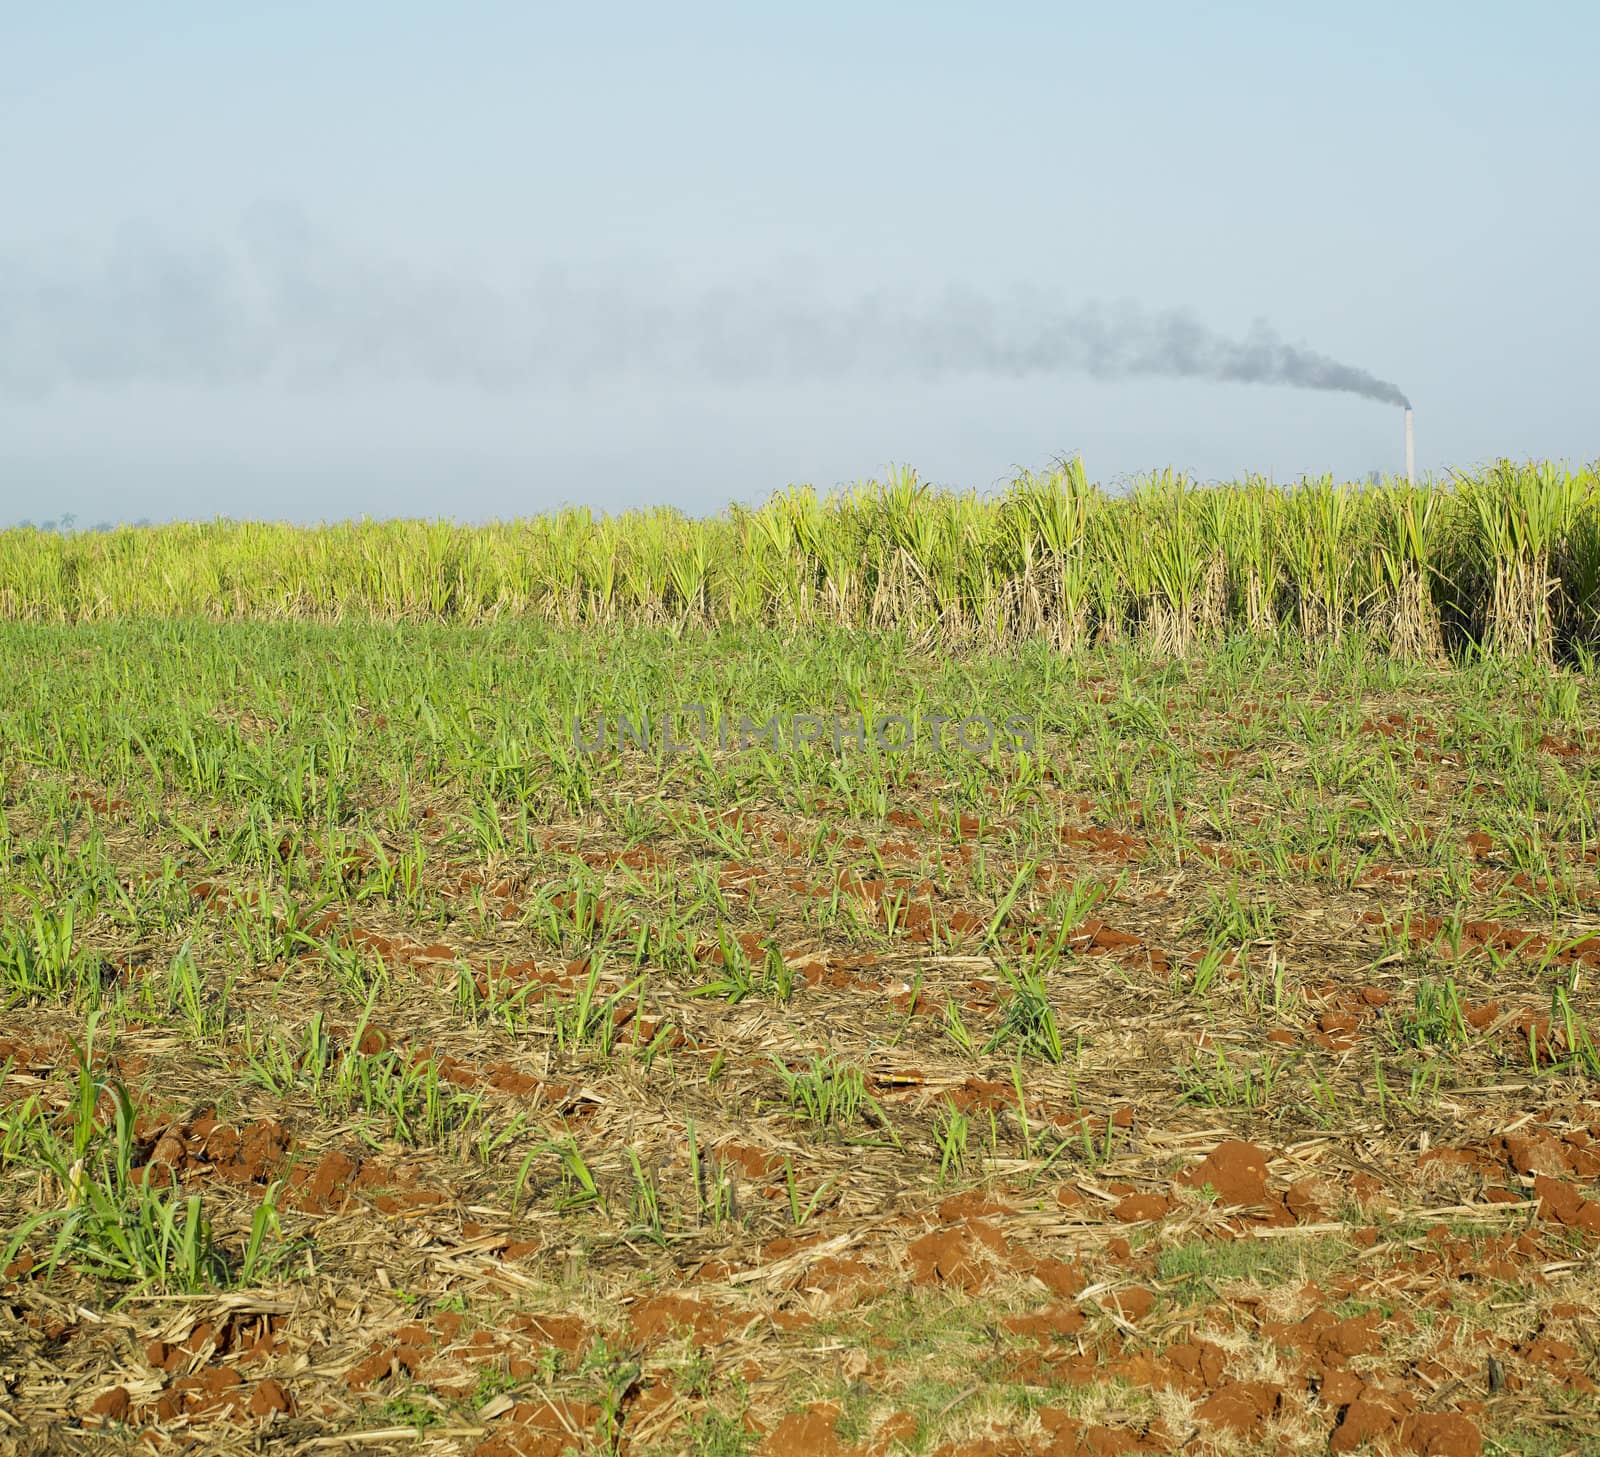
{"points": [[1411, 451]]}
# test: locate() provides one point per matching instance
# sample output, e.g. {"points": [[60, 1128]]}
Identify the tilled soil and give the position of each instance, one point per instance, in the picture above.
{"points": [[1292, 1152]]}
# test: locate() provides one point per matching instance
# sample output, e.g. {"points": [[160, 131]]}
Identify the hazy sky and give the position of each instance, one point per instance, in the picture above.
{"points": [[480, 259]]}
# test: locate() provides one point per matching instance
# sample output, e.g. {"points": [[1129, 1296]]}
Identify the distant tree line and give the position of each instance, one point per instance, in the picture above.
{"points": [[67, 521]]}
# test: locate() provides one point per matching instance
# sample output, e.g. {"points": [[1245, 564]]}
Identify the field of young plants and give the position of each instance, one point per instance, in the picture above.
{"points": [[391, 1064]]}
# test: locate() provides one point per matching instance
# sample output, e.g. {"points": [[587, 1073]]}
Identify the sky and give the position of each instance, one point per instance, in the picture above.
{"points": [[313, 262]]}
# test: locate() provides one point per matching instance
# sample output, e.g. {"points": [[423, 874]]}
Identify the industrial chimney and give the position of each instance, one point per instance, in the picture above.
{"points": [[1411, 451]]}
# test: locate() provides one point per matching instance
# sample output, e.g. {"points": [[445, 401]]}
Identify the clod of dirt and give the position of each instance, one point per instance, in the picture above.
{"points": [[1540, 1154], [1564, 1204], [1132, 1304], [953, 1256], [1235, 1170], [1200, 1361], [568, 1333], [539, 1429], [1058, 1276], [1364, 1421], [1331, 1340], [380, 1364], [1441, 1434], [112, 1405], [1047, 1324], [975, 1204], [665, 1316], [214, 1390], [1301, 1201], [1372, 1419], [808, 1433], [270, 1397], [322, 1189], [897, 1432], [1241, 1405], [1137, 1208]]}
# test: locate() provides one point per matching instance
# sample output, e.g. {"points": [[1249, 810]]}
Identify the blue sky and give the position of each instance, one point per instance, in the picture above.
{"points": [[1409, 190]]}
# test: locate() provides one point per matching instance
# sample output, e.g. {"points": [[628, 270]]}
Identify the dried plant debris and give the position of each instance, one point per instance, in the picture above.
{"points": [[384, 1073]]}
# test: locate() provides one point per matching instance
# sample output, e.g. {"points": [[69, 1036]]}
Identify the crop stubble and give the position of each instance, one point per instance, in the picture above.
{"points": [[1220, 1079]]}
